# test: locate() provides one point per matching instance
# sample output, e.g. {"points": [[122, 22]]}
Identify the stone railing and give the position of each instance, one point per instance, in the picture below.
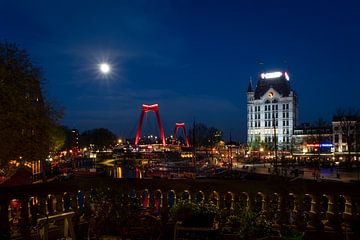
{"points": [[319, 207]]}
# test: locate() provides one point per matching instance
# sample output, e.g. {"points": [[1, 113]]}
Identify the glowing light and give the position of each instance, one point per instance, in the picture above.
{"points": [[313, 145], [326, 145], [320, 145], [271, 75], [104, 68], [286, 76]]}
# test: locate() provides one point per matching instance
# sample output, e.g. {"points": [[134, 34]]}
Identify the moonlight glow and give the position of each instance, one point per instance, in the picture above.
{"points": [[104, 68]]}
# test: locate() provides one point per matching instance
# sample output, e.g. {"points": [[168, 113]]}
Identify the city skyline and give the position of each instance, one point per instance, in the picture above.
{"points": [[193, 59]]}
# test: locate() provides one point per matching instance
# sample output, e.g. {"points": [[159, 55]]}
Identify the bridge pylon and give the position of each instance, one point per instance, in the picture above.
{"points": [[182, 126], [150, 108]]}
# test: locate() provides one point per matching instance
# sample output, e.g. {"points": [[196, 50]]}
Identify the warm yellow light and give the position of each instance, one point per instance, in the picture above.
{"points": [[119, 172], [261, 149]]}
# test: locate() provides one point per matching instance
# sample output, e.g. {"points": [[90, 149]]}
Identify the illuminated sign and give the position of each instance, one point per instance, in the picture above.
{"points": [[313, 145], [326, 145], [271, 75], [320, 145]]}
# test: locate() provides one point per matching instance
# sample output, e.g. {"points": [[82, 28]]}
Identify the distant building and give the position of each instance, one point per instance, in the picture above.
{"points": [[271, 112], [74, 139], [346, 137], [309, 142]]}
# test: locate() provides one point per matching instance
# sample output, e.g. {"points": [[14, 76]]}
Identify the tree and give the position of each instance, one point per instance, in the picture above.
{"points": [[348, 120], [101, 138], [26, 116], [59, 138], [319, 133], [205, 136]]}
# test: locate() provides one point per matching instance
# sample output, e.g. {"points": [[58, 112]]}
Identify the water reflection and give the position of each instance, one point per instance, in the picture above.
{"points": [[124, 172]]}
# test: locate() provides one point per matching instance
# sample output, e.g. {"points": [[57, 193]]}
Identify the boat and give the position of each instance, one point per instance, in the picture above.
{"points": [[88, 172]]}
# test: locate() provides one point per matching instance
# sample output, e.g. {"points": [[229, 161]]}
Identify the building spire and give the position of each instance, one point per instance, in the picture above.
{"points": [[250, 86]]}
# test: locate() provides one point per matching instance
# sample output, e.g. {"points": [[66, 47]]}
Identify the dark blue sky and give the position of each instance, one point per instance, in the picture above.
{"points": [[194, 58]]}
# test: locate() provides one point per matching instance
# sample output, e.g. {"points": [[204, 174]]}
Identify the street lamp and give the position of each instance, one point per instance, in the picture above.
{"points": [[260, 153]]}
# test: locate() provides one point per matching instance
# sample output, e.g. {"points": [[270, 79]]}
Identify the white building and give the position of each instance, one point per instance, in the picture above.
{"points": [[346, 136], [271, 112]]}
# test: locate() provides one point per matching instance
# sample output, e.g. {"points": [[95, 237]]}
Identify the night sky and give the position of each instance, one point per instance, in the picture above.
{"points": [[194, 58]]}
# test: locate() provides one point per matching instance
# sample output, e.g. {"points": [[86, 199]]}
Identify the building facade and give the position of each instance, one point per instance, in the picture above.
{"points": [[312, 142], [271, 112], [346, 137]]}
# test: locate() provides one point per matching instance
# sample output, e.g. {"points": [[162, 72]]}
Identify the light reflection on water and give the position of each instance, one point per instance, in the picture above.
{"points": [[121, 172]]}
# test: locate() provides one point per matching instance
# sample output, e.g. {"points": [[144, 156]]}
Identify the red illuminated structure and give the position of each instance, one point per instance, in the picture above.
{"points": [[177, 126], [145, 109]]}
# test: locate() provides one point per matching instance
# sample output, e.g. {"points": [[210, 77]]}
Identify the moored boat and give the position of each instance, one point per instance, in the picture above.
{"points": [[88, 172]]}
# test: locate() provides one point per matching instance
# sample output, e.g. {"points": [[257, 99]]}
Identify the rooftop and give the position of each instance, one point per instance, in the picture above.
{"points": [[279, 81]]}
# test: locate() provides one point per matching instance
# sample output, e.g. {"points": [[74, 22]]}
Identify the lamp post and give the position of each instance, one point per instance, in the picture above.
{"points": [[271, 95], [260, 153]]}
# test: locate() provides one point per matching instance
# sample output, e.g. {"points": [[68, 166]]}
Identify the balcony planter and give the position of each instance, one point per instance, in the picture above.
{"points": [[289, 233], [194, 215]]}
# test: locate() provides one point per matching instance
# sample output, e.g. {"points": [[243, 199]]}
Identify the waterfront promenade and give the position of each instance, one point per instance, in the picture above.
{"points": [[304, 172]]}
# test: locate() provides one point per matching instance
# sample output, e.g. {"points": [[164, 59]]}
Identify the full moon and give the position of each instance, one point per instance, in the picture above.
{"points": [[104, 68]]}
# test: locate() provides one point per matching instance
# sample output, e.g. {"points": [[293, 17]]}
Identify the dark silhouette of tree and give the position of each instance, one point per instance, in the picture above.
{"points": [[319, 132], [205, 136], [349, 128], [100, 138], [26, 116], [317, 135]]}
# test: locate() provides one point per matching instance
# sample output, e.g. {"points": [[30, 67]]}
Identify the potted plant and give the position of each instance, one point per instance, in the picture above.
{"points": [[194, 214], [290, 233], [249, 225]]}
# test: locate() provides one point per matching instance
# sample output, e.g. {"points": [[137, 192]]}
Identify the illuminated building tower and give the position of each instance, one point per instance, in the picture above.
{"points": [[271, 112]]}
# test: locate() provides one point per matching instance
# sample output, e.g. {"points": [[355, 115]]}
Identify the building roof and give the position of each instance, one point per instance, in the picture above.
{"points": [[279, 84], [311, 130]]}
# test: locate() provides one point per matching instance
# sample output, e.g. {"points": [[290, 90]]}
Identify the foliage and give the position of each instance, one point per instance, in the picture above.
{"points": [[289, 233], [249, 224], [101, 138], [194, 214], [26, 116], [205, 136], [349, 127], [58, 138]]}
